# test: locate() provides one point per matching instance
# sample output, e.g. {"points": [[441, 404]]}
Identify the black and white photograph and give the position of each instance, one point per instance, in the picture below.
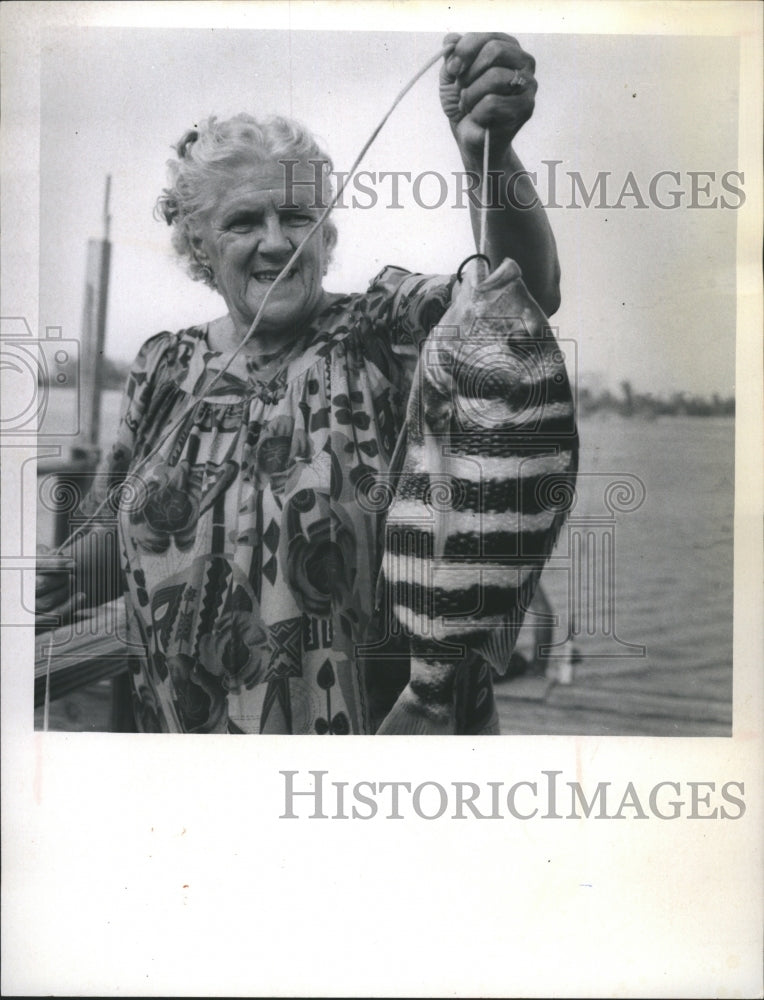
{"points": [[299, 565], [373, 371]]}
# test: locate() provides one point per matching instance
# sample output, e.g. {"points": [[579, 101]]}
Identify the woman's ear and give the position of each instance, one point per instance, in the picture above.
{"points": [[201, 260], [200, 256]]}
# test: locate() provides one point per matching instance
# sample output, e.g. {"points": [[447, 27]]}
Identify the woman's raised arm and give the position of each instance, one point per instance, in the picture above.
{"points": [[487, 82]]}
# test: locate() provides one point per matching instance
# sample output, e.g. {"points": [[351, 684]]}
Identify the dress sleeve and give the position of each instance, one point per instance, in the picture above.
{"points": [[115, 461], [408, 305]]}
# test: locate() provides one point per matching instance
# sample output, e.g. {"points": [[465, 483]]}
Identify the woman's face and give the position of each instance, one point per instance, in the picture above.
{"points": [[259, 217]]}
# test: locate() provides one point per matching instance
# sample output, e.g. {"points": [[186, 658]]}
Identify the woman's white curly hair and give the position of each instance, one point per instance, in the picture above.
{"points": [[206, 153]]}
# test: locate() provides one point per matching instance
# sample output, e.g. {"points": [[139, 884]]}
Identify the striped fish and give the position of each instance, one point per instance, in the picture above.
{"points": [[483, 477]]}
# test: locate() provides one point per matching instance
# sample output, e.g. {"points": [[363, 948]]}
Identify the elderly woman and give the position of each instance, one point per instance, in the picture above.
{"points": [[249, 563]]}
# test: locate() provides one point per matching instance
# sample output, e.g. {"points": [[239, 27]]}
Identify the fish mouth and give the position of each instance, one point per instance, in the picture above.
{"points": [[266, 276], [507, 271]]}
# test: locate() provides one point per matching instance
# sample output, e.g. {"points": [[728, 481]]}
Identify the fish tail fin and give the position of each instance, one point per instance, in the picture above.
{"points": [[426, 706]]}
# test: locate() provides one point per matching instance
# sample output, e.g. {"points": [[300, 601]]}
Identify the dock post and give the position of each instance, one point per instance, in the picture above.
{"points": [[94, 328]]}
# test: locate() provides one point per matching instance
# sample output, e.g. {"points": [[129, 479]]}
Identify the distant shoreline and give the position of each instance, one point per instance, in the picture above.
{"points": [[632, 404]]}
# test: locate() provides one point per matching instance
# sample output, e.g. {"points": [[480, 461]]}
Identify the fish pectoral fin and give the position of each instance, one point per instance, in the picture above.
{"points": [[409, 716], [496, 648], [497, 643]]}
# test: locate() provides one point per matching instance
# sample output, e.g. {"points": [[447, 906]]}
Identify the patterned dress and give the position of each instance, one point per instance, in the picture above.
{"points": [[252, 537]]}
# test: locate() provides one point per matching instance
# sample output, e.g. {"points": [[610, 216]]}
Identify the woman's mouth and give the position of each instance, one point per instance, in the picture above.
{"points": [[268, 276]]}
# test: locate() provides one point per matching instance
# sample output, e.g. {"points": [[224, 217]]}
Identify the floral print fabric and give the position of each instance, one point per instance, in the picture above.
{"points": [[251, 538]]}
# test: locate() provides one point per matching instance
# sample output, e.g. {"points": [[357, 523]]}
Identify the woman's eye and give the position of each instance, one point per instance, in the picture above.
{"points": [[240, 226], [298, 219]]}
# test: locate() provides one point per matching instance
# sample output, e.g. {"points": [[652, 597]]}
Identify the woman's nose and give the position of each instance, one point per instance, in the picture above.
{"points": [[274, 240]]}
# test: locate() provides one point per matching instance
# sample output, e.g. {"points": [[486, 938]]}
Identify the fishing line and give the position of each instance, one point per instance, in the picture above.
{"points": [[484, 203], [481, 255], [285, 270]]}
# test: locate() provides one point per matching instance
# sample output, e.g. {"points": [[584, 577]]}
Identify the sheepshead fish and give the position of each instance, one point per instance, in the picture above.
{"points": [[483, 475]]}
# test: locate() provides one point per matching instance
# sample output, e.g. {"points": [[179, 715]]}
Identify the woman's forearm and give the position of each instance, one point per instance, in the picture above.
{"points": [[517, 226]]}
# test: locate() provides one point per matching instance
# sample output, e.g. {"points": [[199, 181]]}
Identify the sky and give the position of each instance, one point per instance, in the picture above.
{"points": [[648, 292]]}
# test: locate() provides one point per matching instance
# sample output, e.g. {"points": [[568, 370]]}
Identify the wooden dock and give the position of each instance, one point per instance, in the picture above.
{"points": [[648, 703], [643, 702]]}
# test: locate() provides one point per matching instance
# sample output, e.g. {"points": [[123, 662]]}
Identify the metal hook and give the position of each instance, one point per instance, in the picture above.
{"points": [[474, 256]]}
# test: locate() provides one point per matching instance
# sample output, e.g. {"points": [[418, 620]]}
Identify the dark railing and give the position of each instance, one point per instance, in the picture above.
{"points": [[91, 649], [94, 648]]}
